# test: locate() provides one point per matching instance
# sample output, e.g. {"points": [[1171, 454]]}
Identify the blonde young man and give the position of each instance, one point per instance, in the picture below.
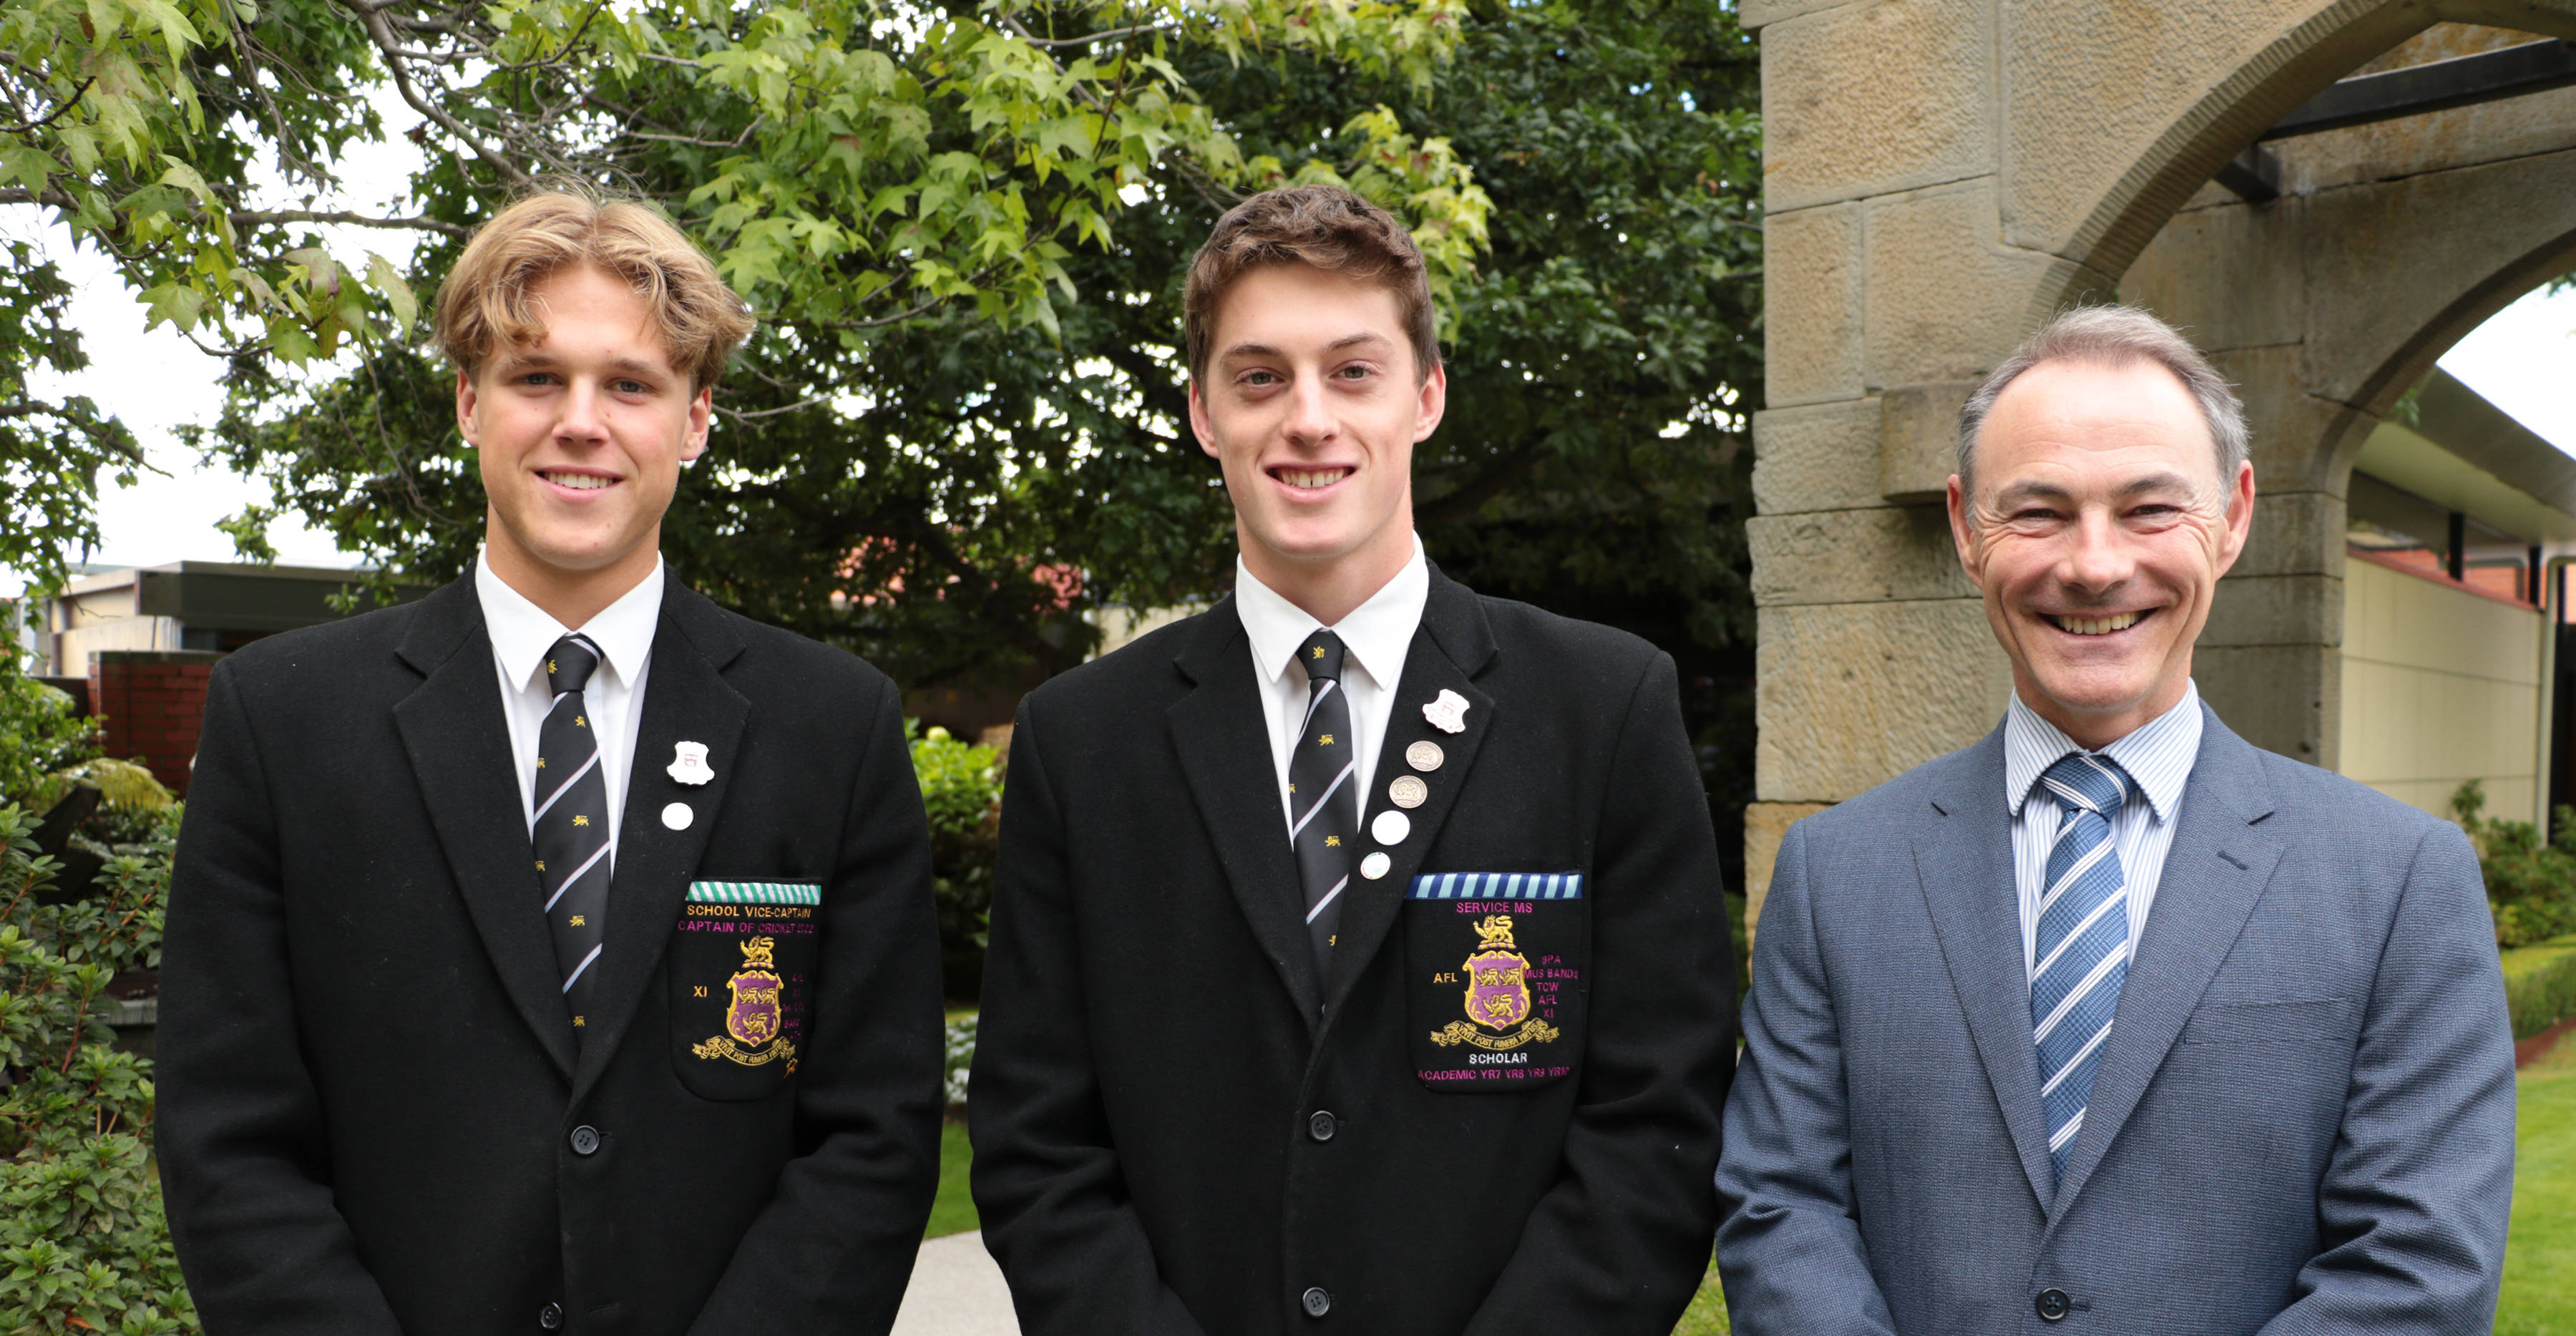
{"points": [[555, 953], [2113, 1022], [1358, 957]]}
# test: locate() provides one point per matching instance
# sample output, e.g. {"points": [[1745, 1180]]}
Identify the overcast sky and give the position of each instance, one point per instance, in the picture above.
{"points": [[2521, 360]]}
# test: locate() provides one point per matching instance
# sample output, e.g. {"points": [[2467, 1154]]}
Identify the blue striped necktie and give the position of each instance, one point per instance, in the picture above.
{"points": [[2081, 951]]}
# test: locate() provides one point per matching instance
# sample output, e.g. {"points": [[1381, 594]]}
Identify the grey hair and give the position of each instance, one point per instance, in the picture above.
{"points": [[2116, 336]]}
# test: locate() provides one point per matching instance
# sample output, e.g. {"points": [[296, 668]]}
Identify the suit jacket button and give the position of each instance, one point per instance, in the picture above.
{"points": [[550, 1317], [585, 1140], [1317, 1302], [2052, 1305], [1321, 1126]]}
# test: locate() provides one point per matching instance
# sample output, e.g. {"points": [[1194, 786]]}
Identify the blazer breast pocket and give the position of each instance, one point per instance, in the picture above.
{"points": [[1497, 970], [2301, 1020], [742, 969]]}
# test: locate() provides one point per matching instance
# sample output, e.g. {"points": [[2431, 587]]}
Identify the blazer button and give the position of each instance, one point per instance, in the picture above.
{"points": [[1321, 1126], [585, 1141], [1317, 1301], [550, 1317], [2052, 1305]]}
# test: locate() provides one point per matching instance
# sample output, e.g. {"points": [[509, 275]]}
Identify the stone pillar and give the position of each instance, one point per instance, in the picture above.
{"points": [[150, 704]]}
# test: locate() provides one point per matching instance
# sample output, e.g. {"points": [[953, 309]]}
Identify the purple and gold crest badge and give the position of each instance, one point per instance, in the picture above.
{"points": [[752, 1021], [1498, 993]]}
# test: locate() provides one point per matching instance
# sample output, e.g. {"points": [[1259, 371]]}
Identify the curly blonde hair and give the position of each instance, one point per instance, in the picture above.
{"points": [[484, 303]]}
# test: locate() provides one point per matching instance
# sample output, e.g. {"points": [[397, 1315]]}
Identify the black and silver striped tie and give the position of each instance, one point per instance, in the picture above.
{"points": [[1323, 794], [571, 834]]}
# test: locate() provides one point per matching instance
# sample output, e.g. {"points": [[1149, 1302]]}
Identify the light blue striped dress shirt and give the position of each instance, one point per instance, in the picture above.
{"points": [[2158, 755]]}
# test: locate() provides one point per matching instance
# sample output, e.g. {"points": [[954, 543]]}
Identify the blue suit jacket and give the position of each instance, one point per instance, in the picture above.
{"points": [[2303, 1120]]}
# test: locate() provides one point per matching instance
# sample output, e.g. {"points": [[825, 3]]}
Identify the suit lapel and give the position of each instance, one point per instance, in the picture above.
{"points": [[1451, 646], [456, 735], [2216, 869], [1217, 733], [1965, 864], [685, 699]]}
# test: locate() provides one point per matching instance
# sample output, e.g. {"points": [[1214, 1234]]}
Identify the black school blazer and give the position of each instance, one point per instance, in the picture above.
{"points": [[375, 1116], [1155, 1048]]}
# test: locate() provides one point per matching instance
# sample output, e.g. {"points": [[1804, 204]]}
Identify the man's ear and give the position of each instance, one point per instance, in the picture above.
{"points": [[1963, 530], [1200, 426], [466, 399], [701, 417], [1435, 402], [2240, 517]]}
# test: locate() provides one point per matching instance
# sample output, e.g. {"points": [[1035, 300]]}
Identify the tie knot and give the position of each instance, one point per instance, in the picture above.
{"points": [[2085, 783], [1321, 657], [570, 663]]}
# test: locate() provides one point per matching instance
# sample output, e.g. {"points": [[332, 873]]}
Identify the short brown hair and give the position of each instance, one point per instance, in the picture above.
{"points": [[1327, 227], [484, 302]]}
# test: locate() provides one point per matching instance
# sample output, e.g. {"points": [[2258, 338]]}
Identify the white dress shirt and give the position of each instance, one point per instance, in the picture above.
{"points": [[2158, 757], [521, 634], [1375, 638]]}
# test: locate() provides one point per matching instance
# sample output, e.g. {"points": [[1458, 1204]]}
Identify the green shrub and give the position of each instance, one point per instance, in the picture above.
{"points": [[961, 786], [2531, 884], [41, 733], [83, 1243], [2540, 986]]}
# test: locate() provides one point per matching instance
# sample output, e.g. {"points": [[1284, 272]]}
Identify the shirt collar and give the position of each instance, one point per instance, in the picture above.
{"points": [[522, 632], [2156, 755], [1376, 635]]}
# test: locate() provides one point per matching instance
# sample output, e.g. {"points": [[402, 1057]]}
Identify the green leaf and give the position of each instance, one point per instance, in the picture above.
{"points": [[397, 294]]}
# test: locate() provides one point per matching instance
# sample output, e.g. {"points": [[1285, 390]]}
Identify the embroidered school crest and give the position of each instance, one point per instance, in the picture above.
{"points": [[1498, 994], [751, 1022]]}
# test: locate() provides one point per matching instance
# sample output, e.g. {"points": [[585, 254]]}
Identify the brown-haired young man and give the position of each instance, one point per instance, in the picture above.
{"points": [[555, 953], [1357, 959]]}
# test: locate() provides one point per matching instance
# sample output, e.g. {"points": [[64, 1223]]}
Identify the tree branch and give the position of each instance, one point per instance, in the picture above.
{"points": [[370, 13], [259, 216], [28, 127], [1105, 35]]}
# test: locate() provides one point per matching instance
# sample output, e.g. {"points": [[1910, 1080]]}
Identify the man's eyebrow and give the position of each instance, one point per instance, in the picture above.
{"points": [[2156, 482], [2029, 490], [2013, 494], [1257, 350]]}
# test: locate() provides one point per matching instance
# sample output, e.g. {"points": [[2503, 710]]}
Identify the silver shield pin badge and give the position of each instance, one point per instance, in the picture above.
{"points": [[690, 766], [1448, 713]]}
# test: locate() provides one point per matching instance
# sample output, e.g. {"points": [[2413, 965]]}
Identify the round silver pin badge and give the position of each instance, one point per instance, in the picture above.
{"points": [[1375, 865], [1391, 827], [1408, 791], [1424, 755]]}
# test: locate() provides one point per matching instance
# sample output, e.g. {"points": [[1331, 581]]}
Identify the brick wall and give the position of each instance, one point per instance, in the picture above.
{"points": [[151, 704]]}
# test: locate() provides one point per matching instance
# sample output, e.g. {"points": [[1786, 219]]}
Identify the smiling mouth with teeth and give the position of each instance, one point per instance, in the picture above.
{"points": [[579, 482], [2095, 626], [1310, 480]]}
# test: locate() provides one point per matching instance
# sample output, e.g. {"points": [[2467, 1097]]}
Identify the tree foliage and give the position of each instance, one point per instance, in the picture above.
{"points": [[962, 422]]}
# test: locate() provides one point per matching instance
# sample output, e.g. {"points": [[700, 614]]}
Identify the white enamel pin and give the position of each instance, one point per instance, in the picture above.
{"points": [[1449, 713], [690, 766], [677, 816]]}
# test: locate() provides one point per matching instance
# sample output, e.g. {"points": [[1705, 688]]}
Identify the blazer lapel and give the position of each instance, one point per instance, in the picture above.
{"points": [[2215, 871], [1217, 733], [1451, 646], [685, 699], [1965, 864], [454, 731]]}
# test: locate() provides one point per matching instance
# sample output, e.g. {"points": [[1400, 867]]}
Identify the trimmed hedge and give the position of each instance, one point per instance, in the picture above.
{"points": [[2540, 985]]}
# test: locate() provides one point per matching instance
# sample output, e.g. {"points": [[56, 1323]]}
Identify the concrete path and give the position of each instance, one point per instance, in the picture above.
{"points": [[956, 1291]]}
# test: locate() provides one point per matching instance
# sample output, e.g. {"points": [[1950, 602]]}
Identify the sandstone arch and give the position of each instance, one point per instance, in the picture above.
{"points": [[1944, 174]]}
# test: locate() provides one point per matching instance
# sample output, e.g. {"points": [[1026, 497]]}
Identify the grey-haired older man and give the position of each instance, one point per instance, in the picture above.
{"points": [[2113, 1021]]}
